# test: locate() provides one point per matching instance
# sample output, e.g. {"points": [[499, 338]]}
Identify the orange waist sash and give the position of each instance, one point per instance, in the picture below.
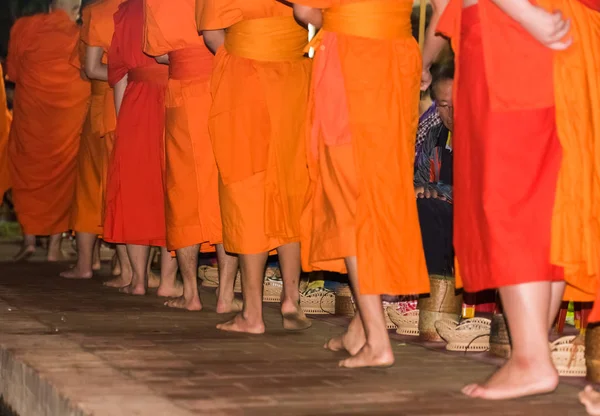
{"points": [[99, 88], [378, 19], [155, 74], [193, 63], [268, 39]]}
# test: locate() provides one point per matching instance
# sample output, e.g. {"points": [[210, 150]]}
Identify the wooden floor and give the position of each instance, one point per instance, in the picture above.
{"points": [[76, 347]]}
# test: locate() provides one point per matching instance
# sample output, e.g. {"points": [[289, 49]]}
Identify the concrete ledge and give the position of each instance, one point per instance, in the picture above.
{"points": [[43, 373]]}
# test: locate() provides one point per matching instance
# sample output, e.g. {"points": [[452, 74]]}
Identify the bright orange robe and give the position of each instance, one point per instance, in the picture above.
{"points": [[364, 116], [260, 89], [86, 212], [576, 226], [99, 32], [5, 121], [135, 201], [191, 177], [50, 104]]}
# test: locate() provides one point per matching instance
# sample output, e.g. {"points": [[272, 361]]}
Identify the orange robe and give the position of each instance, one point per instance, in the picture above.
{"points": [[5, 121], [134, 193], [86, 212], [50, 104], [364, 115], [260, 89], [191, 177], [576, 222], [98, 33]]}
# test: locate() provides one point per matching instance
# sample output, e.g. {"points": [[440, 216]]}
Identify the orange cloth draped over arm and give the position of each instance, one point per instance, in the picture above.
{"points": [[191, 177], [50, 104], [86, 212], [134, 192], [5, 121], [257, 120], [364, 114], [576, 225]]}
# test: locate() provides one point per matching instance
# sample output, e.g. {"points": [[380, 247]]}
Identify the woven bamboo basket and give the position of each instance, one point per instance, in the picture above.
{"points": [[442, 303], [592, 353], [343, 301], [499, 337]]}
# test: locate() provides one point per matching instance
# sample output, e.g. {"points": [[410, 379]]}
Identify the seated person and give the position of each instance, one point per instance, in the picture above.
{"points": [[433, 174]]}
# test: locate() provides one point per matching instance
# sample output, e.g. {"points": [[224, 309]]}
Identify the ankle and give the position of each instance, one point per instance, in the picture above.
{"points": [[225, 295]]}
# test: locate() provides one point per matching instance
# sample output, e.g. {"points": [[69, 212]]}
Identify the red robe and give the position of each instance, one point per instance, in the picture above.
{"points": [[506, 149], [134, 212]]}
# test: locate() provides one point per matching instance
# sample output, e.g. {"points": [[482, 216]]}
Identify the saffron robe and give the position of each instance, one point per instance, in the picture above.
{"points": [[576, 220], [98, 33], [364, 116], [86, 212], [50, 104], [5, 121], [191, 178], [135, 211], [257, 119]]}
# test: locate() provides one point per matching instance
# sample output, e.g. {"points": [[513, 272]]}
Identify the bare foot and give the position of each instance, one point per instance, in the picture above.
{"points": [[516, 379], [369, 356], [138, 290], [234, 305], [119, 281], [591, 400], [76, 273], [241, 324], [96, 265], [25, 253], [154, 280], [115, 265], [295, 321], [55, 257], [182, 303], [352, 342], [170, 291]]}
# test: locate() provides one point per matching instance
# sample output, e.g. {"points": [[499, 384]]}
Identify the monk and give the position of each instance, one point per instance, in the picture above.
{"points": [[575, 228], [507, 161], [86, 212], [361, 217], [97, 35], [134, 210], [193, 218], [5, 121], [50, 104], [259, 87]]}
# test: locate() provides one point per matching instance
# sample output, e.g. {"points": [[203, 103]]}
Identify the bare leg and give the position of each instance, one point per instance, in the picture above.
{"points": [[153, 278], [556, 294], [529, 370], [228, 268], [85, 248], [54, 249], [352, 340], [27, 249], [115, 265], [294, 318], [96, 262], [188, 263], [591, 400], [124, 279], [169, 287], [250, 320], [377, 351], [138, 256]]}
